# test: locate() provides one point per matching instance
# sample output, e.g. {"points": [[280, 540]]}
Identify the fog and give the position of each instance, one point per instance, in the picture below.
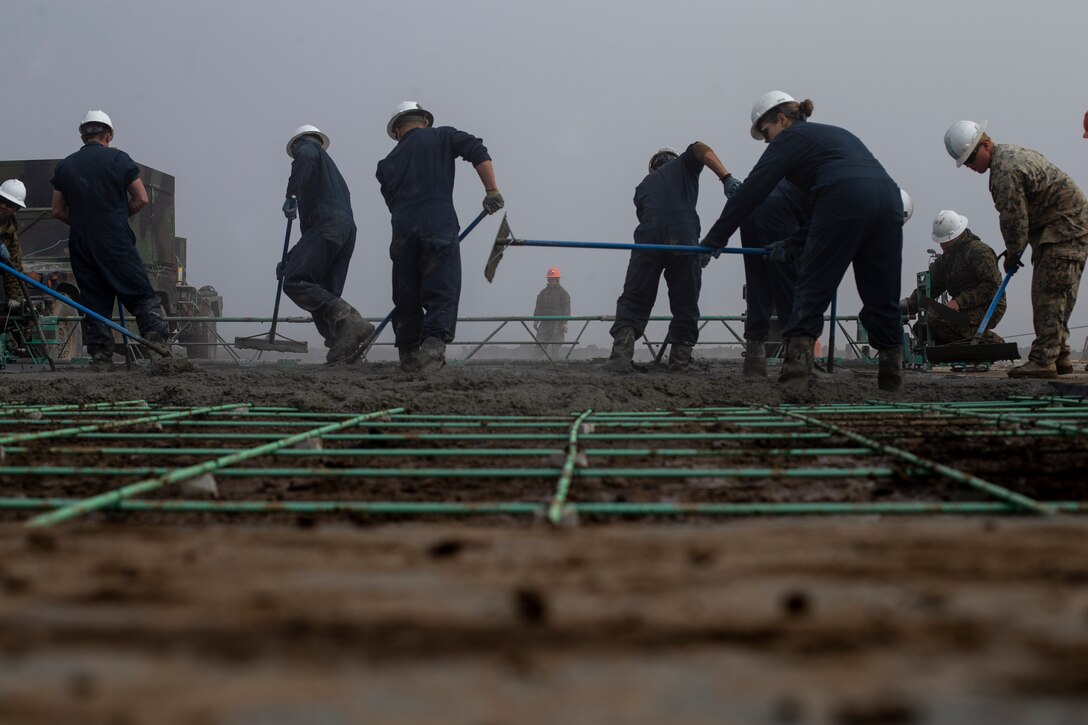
{"points": [[571, 98]]}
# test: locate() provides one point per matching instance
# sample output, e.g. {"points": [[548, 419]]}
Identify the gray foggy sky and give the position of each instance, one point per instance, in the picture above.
{"points": [[571, 98]]}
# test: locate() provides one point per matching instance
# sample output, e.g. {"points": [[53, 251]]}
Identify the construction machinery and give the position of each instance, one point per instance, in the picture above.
{"points": [[44, 242]]}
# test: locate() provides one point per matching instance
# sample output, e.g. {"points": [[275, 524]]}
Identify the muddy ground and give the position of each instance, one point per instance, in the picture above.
{"points": [[310, 620]]}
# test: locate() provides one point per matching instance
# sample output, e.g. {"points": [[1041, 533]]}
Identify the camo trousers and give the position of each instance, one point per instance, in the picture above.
{"points": [[1054, 283]]}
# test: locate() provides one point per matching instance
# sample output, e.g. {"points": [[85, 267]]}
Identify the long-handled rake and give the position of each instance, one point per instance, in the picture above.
{"points": [[505, 239], [269, 342], [974, 350]]}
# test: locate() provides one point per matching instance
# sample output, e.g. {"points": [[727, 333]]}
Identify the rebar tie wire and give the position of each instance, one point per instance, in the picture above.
{"points": [[120, 494], [993, 489]]}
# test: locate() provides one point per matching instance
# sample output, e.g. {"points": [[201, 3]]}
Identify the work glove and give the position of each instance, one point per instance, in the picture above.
{"points": [[778, 252], [704, 259], [5, 255], [904, 305], [564, 328], [280, 266], [1012, 262], [15, 307], [493, 201], [730, 185], [290, 207]]}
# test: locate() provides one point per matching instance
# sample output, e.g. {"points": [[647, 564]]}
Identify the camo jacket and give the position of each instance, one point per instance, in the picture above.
{"points": [[9, 237], [1037, 202], [968, 272]]}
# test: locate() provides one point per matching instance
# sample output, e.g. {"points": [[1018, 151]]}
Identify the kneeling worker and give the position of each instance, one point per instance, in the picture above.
{"points": [[967, 271]]}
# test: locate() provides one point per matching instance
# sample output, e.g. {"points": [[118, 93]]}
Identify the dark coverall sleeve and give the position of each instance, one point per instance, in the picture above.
{"points": [[566, 303], [772, 167], [469, 148], [302, 168], [539, 304]]}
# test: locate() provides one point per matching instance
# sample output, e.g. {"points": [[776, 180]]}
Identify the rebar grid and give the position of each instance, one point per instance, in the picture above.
{"points": [[66, 461]]}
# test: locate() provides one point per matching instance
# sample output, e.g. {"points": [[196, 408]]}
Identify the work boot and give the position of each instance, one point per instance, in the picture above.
{"points": [[1032, 369], [623, 349], [797, 366], [432, 355], [755, 360], [890, 375], [992, 337], [409, 359], [1064, 364], [680, 357], [102, 362], [352, 332]]}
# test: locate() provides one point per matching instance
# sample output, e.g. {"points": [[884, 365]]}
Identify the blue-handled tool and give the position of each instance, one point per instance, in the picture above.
{"points": [[161, 349], [381, 325], [505, 239]]}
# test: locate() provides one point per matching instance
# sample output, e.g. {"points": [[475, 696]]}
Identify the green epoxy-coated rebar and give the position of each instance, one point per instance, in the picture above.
{"points": [[555, 511], [526, 508], [83, 429], [97, 502], [974, 481]]}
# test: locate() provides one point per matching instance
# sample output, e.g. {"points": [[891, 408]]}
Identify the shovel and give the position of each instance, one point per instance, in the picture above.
{"points": [[161, 349], [505, 239], [43, 349], [365, 347], [975, 350], [268, 342]]}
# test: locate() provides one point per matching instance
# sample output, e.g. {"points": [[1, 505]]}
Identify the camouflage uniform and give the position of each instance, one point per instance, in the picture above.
{"points": [[968, 272], [1040, 206], [552, 300], [9, 285]]}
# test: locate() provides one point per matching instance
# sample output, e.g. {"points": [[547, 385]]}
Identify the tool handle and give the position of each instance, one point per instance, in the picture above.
{"points": [[673, 248], [279, 284], [479, 218], [90, 313], [997, 298]]}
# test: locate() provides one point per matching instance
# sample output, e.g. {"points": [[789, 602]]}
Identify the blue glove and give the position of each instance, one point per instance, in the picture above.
{"points": [[5, 255], [290, 207], [778, 252]]}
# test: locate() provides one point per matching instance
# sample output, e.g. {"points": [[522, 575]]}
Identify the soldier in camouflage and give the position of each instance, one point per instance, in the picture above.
{"points": [[1041, 207], [11, 253], [967, 270], [552, 300]]}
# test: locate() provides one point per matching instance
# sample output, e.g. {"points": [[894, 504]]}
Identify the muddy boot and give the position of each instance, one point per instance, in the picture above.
{"points": [[755, 360], [797, 367], [161, 339], [890, 375], [623, 349], [102, 362], [1064, 364], [409, 359], [432, 355], [352, 331], [680, 358], [1032, 369]]}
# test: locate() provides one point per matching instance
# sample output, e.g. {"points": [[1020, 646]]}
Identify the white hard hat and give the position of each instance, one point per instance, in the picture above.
{"points": [[98, 117], [948, 225], [14, 190], [667, 150], [908, 205], [404, 108], [766, 102], [962, 138], [306, 130]]}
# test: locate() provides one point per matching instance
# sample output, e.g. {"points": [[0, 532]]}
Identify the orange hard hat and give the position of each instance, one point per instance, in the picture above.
{"points": [[553, 273]]}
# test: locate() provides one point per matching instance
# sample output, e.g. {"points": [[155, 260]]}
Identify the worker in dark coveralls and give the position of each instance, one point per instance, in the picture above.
{"points": [[12, 199], [317, 265], [857, 218], [665, 206], [95, 191], [1041, 207], [417, 182], [553, 300], [967, 270]]}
